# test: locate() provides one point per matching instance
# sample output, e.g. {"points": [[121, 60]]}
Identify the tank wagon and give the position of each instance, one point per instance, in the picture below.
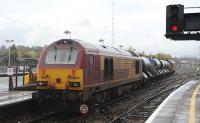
{"points": [[71, 72]]}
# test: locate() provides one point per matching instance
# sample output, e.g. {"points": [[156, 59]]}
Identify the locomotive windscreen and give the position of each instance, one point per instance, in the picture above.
{"points": [[61, 56]]}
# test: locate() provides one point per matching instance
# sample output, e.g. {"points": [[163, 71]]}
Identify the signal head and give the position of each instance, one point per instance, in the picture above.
{"points": [[175, 19], [174, 28]]}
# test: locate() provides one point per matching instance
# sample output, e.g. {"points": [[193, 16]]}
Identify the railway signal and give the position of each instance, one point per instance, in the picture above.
{"points": [[175, 19], [180, 25]]}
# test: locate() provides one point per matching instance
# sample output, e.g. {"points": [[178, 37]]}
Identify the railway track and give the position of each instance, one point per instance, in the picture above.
{"points": [[41, 117], [133, 98], [138, 105], [129, 113], [138, 111]]}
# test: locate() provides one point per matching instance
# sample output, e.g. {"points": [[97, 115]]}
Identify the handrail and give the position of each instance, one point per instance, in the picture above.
{"points": [[18, 74]]}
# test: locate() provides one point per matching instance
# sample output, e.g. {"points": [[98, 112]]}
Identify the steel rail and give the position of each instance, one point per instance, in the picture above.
{"points": [[123, 116]]}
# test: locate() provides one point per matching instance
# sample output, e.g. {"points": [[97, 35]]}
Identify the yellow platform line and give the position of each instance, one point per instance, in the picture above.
{"points": [[192, 105]]}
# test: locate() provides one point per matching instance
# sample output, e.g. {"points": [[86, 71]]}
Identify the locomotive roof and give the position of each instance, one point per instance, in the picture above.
{"points": [[100, 49], [106, 50]]}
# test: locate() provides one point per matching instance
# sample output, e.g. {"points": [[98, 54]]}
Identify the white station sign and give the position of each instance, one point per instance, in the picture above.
{"points": [[9, 71]]}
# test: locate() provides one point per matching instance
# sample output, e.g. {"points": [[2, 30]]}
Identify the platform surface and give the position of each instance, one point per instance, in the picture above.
{"points": [[181, 106], [11, 97], [5, 80]]}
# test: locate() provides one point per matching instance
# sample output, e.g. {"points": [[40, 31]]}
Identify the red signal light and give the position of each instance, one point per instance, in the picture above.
{"points": [[174, 28]]}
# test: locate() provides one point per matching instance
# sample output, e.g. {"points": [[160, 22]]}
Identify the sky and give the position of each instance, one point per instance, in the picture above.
{"points": [[138, 23]]}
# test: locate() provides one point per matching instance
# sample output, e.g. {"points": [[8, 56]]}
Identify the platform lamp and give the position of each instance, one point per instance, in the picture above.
{"points": [[68, 32], [101, 40], [9, 70], [9, 42], [121, 46]]}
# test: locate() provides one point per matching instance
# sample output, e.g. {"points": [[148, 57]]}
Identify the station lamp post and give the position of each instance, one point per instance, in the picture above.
{"points": [[121, 46], [9, 42], [9, 70], [68, 32], [101, 40]]}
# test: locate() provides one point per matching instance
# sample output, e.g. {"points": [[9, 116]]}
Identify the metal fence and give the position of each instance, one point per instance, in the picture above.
{"points": [[17, 80]]}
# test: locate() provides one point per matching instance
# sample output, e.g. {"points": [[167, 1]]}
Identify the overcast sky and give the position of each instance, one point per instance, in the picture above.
{"points": [[138, 23]]}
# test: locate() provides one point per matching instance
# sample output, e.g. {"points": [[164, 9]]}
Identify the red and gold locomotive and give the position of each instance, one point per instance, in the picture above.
{"points": [[75, 72]]}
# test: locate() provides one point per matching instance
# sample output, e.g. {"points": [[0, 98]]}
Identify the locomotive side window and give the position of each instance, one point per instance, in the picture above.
{"points": [[108, 68], [137, 65], [61, 56], [111, 68], [92, 70], [86, 69], [91, 60]]}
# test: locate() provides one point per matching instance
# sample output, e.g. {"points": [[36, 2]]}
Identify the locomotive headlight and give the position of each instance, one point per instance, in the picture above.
{"points": [[74, 84], [42, 83]]}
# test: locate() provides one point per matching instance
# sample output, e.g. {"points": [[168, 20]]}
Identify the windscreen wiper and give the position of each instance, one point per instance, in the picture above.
{"points": [[55, 54], [70, 54]]}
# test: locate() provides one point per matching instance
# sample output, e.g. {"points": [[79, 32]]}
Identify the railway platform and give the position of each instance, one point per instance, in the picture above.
{"points": [[181, 106], [11, 97]]}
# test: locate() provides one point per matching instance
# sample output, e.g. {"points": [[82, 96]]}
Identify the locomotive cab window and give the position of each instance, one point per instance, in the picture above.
{"points": [[61, 56]]}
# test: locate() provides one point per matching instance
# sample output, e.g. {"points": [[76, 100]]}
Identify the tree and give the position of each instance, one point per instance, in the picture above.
{"points": [[13, 55], [163, 56]]}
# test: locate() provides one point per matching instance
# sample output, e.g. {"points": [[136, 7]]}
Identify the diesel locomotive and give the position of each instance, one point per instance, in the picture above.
{"points": [[75, 73]]}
